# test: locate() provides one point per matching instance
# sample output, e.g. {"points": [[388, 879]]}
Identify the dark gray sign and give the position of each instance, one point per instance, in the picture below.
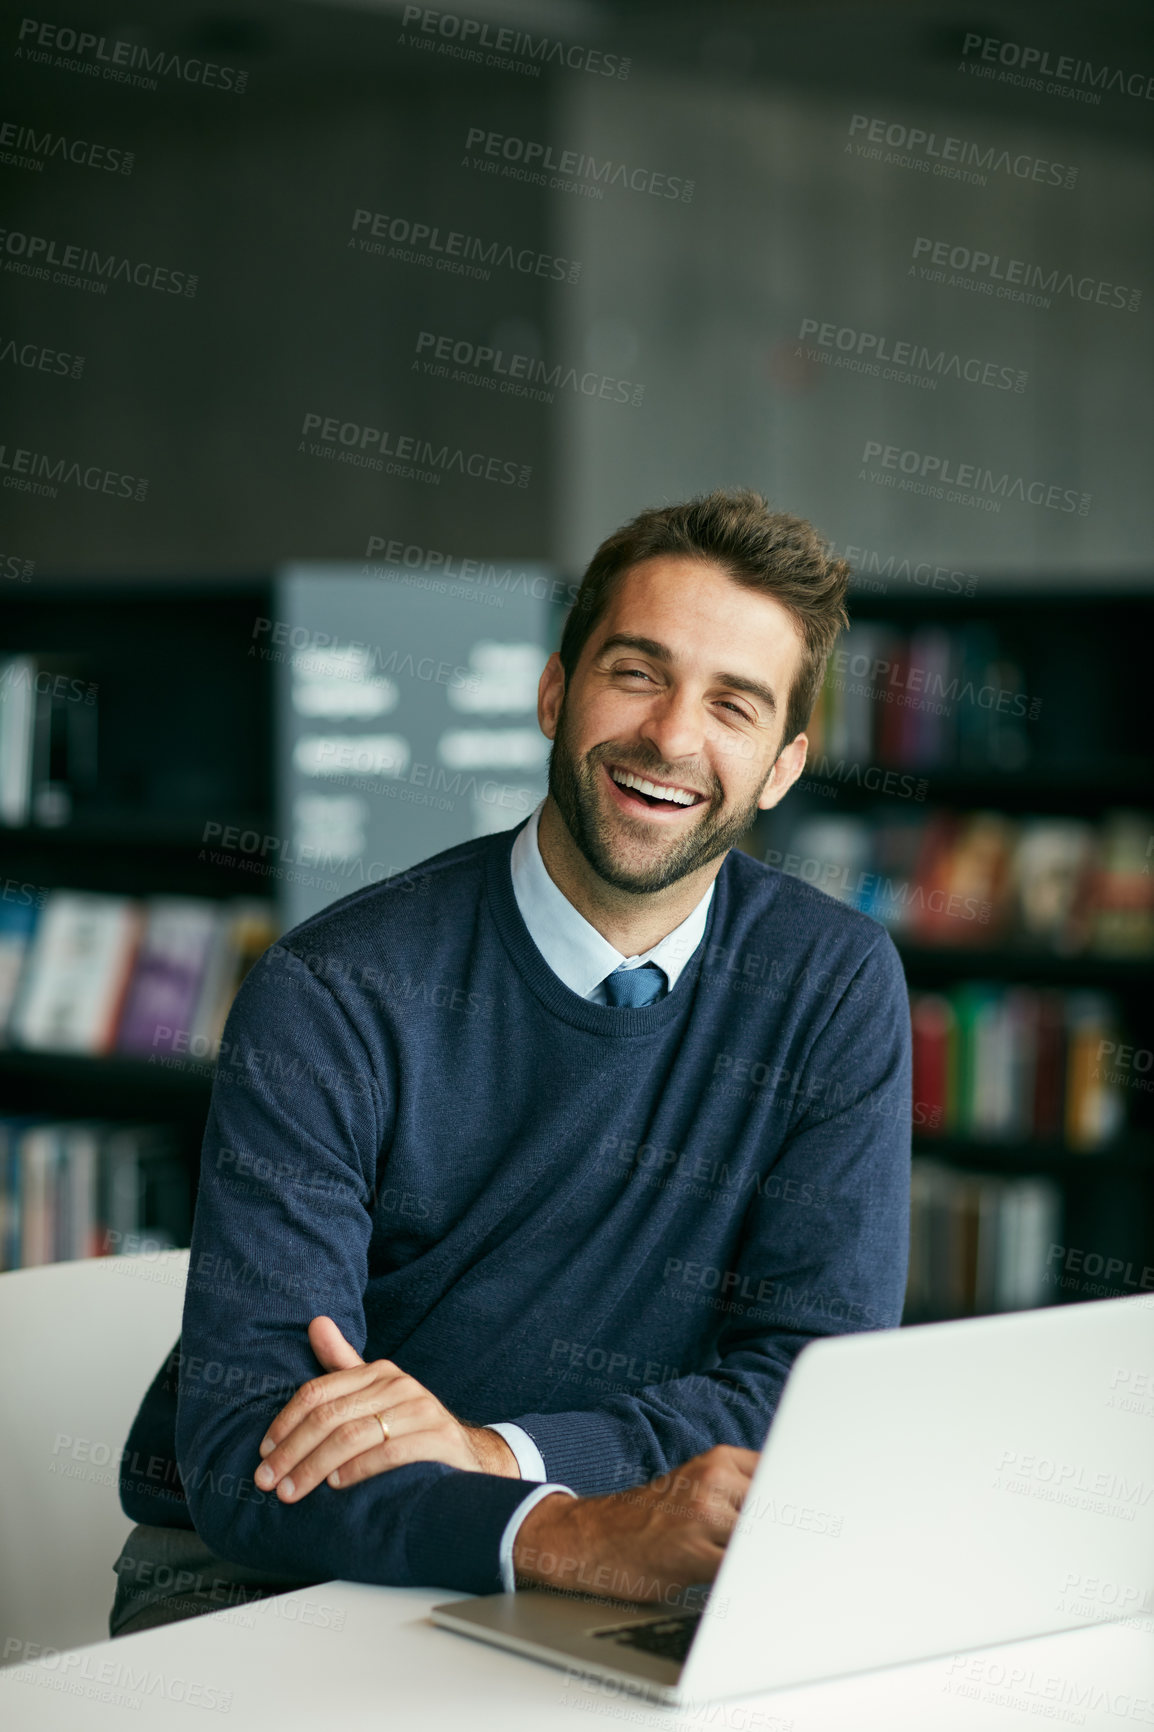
{"points": [[406, 715]]}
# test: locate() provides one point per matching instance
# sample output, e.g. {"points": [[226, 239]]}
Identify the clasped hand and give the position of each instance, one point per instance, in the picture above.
{"points": [[644, 1544], [330, 1431]]}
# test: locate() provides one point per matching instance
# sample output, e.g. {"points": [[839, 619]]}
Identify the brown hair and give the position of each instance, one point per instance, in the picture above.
{"points": [[765, 550]]}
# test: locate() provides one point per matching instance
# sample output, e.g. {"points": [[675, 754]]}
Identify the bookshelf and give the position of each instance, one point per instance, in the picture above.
{"points": [[185, 772], [179, 730], [187, 727], [1072, 771]]}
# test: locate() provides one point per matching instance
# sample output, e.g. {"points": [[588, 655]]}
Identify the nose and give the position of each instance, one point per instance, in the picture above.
{"points": [[674, 726]]}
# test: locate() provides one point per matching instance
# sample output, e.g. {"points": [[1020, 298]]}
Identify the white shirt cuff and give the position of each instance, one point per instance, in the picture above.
{"points": [[530, 1462], [505, 1555]]}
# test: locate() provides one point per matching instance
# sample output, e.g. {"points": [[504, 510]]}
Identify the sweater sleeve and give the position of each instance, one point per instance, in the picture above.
{"points": [[281, 1235], [822, 1251]]}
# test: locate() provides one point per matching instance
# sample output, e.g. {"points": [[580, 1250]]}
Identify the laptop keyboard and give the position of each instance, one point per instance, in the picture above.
{"points": [[669, 1637]]}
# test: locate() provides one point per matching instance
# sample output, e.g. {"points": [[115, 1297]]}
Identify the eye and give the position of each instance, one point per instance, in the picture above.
{"points": [[633, 673], [737, 710]]}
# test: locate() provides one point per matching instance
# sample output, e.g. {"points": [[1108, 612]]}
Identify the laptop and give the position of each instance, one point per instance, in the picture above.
{"points": [[921, 1491]]}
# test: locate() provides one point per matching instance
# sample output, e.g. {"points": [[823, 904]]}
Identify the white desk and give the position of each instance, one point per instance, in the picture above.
{"points": [[342, 1657]]}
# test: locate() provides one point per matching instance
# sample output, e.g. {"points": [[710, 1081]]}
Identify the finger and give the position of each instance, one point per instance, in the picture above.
{"points": [[719, 1503], [727, 1496], [419, 1430], [728, 1456], [351, 1440], [330, 1346], [310, 1395], [440, 1443], [727, 1479], [322, 1393], [415, 1415], [321, 1424]]}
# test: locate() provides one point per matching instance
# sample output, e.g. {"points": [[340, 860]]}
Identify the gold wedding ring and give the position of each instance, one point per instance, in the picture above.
{"points": [[384, 1425]]}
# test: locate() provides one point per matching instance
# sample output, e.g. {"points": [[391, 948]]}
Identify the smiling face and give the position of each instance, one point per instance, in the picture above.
{"points": [[665, 738]]}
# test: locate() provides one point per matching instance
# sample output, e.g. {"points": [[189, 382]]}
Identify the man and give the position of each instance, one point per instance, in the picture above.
{"points": [[554, 1156]]}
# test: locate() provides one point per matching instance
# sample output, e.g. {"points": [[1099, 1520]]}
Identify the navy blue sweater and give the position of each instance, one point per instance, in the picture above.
{"points": [[616, 1227]]}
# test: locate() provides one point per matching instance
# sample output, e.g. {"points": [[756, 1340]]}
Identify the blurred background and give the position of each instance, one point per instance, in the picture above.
{"points": [[336, 337]]}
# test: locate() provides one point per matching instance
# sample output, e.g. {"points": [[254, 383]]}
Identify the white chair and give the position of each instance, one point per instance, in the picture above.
{"points": [[79, 1345]]}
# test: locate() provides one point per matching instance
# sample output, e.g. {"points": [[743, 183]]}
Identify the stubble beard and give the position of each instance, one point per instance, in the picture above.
{"points": [[574, 787]]}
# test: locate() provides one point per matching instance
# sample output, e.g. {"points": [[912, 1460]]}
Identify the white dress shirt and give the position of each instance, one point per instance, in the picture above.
{"points": [[581, 958]]}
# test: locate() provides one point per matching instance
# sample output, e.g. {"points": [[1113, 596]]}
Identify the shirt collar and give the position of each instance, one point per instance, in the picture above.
{"points": [[575, 950]]}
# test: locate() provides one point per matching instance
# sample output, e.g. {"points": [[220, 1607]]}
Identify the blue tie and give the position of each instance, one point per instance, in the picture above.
{"points": [[633, 987]]}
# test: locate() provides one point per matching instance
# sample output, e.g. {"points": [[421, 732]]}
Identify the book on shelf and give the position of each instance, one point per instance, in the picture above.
{"points": [[18, 915], [982, 880], [244, 932], [48, 737], [961, 878], [935, 697], [978, 1242], [95, 974], [169, 977], [1015, 1064], [75, 1188], [1122, 903], [76, 973], [17, 719], [1052, 873], [1094, 1109], [935, 1051]]}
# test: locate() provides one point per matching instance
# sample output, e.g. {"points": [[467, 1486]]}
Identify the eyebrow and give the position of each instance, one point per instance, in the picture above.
{"points": [[660, 652]]}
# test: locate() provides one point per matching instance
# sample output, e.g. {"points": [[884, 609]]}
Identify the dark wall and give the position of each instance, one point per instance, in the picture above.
{"points": [[255, 195], [700, 299]]}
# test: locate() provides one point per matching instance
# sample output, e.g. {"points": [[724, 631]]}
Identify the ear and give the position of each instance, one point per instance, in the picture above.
{"points": [[550, 692], [789, 765]]}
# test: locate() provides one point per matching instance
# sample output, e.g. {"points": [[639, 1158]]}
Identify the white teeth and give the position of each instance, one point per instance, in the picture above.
{"points": [[626, 779]]}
